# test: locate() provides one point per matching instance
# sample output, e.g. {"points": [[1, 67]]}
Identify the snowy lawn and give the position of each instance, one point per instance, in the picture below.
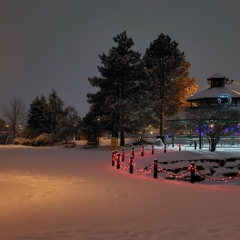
{"points": [[56, 193]]}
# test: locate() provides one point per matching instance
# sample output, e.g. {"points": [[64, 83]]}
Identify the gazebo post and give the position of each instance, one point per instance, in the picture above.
{"points": [[190, 136], [200, 138], [232, 136]]}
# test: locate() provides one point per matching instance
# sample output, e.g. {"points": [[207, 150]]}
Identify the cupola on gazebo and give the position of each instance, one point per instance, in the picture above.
{"points": [[215, 94], [216, 89]]}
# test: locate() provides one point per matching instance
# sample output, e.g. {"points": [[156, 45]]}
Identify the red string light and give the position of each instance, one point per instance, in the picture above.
{"points": [[169, 174]]}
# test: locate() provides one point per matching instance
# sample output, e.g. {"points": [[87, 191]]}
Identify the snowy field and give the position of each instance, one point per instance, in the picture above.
{"points": [[56, 193]]}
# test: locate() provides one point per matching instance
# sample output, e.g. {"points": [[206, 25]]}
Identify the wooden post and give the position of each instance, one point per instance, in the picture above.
{"points": [[113, 161], [165, 148], [195, 144], [192, 171], [152, 149], [123, 155], [132, 153], [155, 169], [131, 165], [142, 151], [118, 161], [200, 138], [179, 146], [190, 137], [172, 134]]}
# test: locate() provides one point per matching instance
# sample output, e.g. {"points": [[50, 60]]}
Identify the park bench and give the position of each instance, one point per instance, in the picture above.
{"points": [[91, 145]]}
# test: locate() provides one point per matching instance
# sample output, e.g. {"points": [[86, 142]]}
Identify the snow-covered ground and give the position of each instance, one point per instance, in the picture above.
{"points": [[56, 193]]}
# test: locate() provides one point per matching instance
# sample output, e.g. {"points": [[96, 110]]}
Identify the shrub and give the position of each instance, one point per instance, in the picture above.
{"points": [[23, 141], [17, 141], [44, 140]]}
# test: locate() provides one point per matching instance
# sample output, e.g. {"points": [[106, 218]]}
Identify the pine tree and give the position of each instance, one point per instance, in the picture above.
{"points": [[181, 87], [55, 113], [122, 70], [37, 115], [70, 122], [91, 127], [167, 70]]}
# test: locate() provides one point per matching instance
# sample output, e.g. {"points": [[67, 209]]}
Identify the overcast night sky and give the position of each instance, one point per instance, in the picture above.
{"points": [[47, 44]]}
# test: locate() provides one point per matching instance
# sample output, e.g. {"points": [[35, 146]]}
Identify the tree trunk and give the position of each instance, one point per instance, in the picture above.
{"points": [[14, 131], [122, 139], [161, 123], [213, 145], [115, 134]]}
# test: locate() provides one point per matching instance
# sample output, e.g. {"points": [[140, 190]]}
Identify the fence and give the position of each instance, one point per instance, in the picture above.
{"points": [[142, 151], [191, 172]]}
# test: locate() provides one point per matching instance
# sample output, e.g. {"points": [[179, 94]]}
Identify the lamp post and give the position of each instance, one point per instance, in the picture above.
{"points": [[232, 136], [6, 126], [98, 123]]}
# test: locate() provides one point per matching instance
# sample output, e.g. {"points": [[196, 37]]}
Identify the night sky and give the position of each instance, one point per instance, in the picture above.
{"points": [[47, 44]]}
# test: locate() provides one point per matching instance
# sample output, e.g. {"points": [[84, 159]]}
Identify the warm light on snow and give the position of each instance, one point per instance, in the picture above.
{"points": [[74, 193]]}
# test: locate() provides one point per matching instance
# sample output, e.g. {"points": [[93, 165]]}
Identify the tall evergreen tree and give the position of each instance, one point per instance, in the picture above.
{"points": [[91, 127], [37, 115], [70, 123], [122, 70], [55, 112], [181, 86], [166, 67]]}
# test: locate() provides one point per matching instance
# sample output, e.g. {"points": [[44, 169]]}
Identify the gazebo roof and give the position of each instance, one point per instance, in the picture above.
{"points": [[181, 115], [214, 93], [216, 75]]}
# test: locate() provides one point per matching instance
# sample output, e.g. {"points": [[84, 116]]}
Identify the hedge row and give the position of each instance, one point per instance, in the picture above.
{"points": [[42, 140]]}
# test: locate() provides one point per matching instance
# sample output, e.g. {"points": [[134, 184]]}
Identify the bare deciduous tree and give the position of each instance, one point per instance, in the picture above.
{"points": [[213, 121], [2, 123], [14, 114]]}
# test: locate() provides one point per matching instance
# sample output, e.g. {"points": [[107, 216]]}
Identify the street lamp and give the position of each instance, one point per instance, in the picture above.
{"points": [[98, 123]]}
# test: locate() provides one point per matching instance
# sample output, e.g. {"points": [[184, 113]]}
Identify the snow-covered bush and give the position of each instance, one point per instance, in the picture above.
{"points": [[23, 141], [28, 142], [44, 140], [17, 141]]}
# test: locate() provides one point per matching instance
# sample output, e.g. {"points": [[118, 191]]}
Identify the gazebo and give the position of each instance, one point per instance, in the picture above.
{"points": [[217, 93]]}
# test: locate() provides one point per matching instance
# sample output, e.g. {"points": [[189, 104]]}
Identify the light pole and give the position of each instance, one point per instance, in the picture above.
{"points": [[98, 123]]}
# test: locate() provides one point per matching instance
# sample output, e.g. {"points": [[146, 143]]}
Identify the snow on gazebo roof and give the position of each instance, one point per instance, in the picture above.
{"points": [[216, 75], [214, 93], [181, 115]]}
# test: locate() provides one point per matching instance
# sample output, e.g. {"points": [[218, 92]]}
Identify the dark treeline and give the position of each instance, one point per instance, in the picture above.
{"points": [[52, 117]]}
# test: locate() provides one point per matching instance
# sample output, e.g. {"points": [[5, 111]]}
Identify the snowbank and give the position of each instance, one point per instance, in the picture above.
{"points": [[56, 193]]}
